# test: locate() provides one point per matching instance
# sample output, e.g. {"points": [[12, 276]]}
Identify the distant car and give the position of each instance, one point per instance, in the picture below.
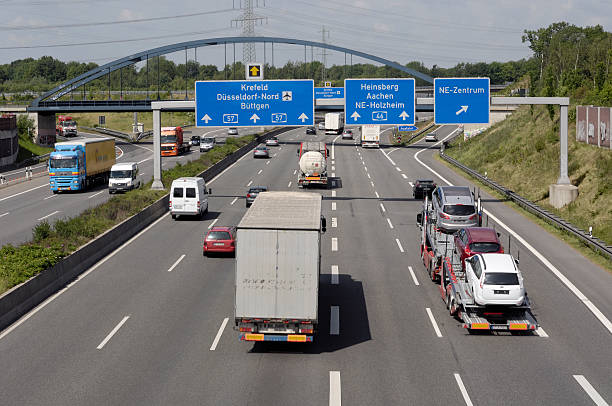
{"points": [[272, 141], [431, 137], [261, 152], [252, 194], [206, 144], [477, 240], [311, 130], [455, 208], [494, 279], [232, 131], [422, 188], [347, 134], [195, 140], [220, 239], [322, 125]]}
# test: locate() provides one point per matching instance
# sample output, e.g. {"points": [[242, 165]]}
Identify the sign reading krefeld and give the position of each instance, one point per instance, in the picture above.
{"points": [[461, 100], [379, 101], [254, 71], [243, 103]]}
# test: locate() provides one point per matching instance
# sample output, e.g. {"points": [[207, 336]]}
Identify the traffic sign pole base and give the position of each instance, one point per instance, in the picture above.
{"points": [[157, 185], [562, 195]]}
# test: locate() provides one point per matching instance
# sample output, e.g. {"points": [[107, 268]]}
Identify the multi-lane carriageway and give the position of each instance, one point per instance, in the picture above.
{"points": [[152, 322]]}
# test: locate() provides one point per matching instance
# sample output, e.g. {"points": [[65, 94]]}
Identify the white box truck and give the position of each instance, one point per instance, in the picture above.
{"points": [[334, 123], [278, 258], [370, 136]]}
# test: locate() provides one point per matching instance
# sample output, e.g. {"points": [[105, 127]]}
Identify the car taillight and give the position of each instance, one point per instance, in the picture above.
{"points": [[232, 244], [444, 216], [198, 204], [170, 203], [472, 217], [248, 195]]}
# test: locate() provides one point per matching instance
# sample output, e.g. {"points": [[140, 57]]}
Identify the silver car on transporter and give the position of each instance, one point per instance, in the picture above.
{"points": [[455, 208]]}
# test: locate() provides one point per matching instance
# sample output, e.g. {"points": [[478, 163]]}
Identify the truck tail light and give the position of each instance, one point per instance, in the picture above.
{"points": [[246, 329], [198, 204]]}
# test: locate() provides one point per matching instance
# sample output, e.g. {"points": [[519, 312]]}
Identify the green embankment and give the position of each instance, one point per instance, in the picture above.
{"points": [[52, 242], [522, 153], [123, 121]]}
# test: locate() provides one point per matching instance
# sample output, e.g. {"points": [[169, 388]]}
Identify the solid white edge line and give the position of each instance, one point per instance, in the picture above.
{"points": [[112, 333], [540, 331], [399, 244], [387, 156], [389, 221], [334, 274], [219, 333], [466, 397], [233, 201], [94, 195], [178, 261], [382, 207], [334, 321], [587, 302], [335, 389], [83, 275], [590, 390], [48, 215], [25, 191], [334, 244], [213, 223], [414, 278], [433, 322]]}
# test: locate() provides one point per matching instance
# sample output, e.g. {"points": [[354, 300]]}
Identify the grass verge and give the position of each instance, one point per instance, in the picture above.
{"points": [[52, 242], [123, 121]]}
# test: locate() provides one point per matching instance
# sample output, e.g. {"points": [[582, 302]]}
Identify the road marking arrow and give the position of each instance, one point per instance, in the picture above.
{"points": [[355, 116], [404, 115], [206, 118], [303, 117], [462, 110], [254, 117]]}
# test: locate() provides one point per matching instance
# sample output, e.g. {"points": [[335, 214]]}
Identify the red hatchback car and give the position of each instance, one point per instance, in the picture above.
{"points": [[221, 240], [477, 240]]}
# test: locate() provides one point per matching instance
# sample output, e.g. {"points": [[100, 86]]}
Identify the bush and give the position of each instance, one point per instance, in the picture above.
{"points": [[41, 231]]}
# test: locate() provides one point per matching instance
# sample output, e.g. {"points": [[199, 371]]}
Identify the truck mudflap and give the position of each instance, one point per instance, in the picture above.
{"points": [[293, 338]]}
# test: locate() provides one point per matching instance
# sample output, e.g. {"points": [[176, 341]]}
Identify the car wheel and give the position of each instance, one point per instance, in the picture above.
{"points": [[204, 254], [174, 216]]}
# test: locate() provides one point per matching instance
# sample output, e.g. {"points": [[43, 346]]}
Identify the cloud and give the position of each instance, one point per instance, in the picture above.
{"points": [[127, 14], [381, 27]]}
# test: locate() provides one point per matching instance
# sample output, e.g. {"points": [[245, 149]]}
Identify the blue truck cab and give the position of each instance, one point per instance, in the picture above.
{"points": [[76, 165]]}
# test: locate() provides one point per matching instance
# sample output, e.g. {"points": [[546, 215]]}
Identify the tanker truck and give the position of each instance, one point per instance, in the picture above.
{"points": [[312, 164]]}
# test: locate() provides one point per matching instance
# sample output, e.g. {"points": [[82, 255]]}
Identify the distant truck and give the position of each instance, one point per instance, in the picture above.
{"points": [[312, 164], [334, 123], [172, 141], [370, 136], [66, 126], [76, 165], [278, 261]]}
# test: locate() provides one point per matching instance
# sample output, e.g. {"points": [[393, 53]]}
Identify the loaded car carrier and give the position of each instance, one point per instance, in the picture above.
{"points": [[443, 264]]}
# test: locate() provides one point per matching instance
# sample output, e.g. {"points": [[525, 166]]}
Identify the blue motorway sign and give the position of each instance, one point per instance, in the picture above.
{"points": [[461, 100], [329, 93], [407, 128], [242, 103], [379, 101]]}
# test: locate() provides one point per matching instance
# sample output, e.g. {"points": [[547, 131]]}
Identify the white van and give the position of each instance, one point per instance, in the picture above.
{"points": [[123, 177], [188, 196]]}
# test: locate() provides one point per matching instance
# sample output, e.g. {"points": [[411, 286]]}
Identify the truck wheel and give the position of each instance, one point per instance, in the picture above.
{"points": [[173, 216]]}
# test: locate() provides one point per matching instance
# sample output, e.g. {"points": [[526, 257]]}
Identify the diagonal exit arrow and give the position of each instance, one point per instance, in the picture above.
{"points": [[206, 118], [463, 109]]}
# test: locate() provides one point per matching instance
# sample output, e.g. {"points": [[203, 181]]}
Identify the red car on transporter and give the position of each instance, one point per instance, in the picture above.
{"points": [[477, 240], [220, 240]]}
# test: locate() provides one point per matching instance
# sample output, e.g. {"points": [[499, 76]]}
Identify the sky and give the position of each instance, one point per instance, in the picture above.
{"points": [[434, 32]]}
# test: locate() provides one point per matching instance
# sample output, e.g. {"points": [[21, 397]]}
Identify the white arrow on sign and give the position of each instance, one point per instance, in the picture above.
{"points": [[254, 117], [463, 109], [355, 116], [206, 118], [404, 115], [303, 117]]}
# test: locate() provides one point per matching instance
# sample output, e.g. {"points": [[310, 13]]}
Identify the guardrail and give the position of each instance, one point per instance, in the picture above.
{"points": [[594, 242]]}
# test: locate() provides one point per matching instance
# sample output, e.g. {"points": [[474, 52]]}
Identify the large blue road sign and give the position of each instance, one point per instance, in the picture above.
{"points": [[461, 100], [329, 93], [242, 103], [379, 101]]}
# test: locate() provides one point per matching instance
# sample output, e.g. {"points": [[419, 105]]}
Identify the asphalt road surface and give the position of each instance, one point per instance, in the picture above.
{"points": [[152, 322]]}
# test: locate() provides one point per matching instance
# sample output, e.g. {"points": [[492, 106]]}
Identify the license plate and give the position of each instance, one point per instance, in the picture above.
{"points": [[501, 292], [178, 206], [218, 244], [499, 327]]}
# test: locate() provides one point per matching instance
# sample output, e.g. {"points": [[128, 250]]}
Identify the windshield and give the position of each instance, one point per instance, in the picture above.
{"points": [[62, 163], [499, 278], [168, 138], [69, 123], [459, 210], [484, 247], [218, 235], [207, 140], [121, 174]]}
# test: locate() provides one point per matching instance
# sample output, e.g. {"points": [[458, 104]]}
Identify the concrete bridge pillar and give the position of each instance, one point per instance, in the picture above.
{"points": [[45, 128]]}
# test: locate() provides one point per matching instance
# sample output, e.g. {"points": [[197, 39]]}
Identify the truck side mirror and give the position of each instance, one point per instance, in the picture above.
{"points": [[298, 152], [323, 224]]}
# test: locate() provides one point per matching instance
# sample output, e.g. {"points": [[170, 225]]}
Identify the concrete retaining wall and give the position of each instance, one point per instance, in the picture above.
{"points": [[22, 298]]}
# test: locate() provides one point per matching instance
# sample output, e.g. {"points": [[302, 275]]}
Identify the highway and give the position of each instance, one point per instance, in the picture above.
{"points": [[152, 322], [25, 204]]}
